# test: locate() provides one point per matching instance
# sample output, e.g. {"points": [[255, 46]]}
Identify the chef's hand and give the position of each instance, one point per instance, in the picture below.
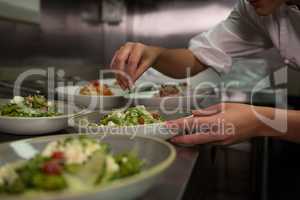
{"points": [[132, 60], [234, 123]]}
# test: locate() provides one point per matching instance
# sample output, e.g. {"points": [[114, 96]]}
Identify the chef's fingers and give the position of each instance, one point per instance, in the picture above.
{"points": [[198, 138], [186, 124], [120, 81], [123, 57], [142, 67], [113, 66], [211, 110], [119, 62], [134, 59]]}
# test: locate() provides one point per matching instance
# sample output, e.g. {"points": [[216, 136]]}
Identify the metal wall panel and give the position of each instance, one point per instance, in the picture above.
{"points": [[72, 35]]}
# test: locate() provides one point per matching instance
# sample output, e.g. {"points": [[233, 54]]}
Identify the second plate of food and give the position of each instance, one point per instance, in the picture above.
{"points": [[172, 98], [34, 115], [93, 95], [132, 121]]}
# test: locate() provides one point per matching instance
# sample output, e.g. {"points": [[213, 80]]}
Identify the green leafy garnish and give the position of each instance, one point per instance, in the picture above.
{"points": [[129, 164], [31, 106], [132, 116]]}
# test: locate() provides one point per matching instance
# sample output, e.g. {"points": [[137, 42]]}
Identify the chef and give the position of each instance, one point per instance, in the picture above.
{"points": [[253, 26]]}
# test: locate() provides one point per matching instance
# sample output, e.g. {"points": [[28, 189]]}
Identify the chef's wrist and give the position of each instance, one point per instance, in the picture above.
{"points": [[157, 50], [159, 57], [266, 129]]}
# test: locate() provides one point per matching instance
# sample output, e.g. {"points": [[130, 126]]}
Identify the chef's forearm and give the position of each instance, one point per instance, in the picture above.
{"points": [[178, 63], [289, 132]]}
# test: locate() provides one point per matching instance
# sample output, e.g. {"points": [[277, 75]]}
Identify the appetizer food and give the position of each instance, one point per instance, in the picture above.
{"points": [[132, 116], [95, 88], [31, 106], [73, 164], [169, 90]]}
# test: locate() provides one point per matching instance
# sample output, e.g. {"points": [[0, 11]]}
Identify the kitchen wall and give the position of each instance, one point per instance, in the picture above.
{"points": [[24, 11], [81, 36]]}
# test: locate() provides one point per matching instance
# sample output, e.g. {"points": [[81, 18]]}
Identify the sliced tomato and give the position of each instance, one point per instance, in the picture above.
{"points": [[52, 167], [95, 83], [57, 155], [141, 120], [107, 92]]}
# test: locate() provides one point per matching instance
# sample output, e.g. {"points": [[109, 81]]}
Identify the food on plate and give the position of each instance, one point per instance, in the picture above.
{"points": [[95, 88], [72, 164], [30, 106], [143, 88], [169, 90], [132, 116]]}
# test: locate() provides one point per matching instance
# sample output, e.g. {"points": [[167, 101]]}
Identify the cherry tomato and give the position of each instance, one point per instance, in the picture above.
{"points": [[95, 83], [52, 167], [57, 155], [141, 120]]}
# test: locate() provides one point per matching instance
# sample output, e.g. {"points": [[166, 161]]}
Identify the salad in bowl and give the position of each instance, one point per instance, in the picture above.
{"points": [[76, 167], [133, 116], [30, 106], [73, 163], [132, 121], [34, 115]]}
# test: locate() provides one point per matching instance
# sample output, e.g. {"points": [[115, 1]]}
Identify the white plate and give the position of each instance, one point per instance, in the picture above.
{"points": [[83, 124], [92, 102], [172, 104], [37, 125], [158, 156]]}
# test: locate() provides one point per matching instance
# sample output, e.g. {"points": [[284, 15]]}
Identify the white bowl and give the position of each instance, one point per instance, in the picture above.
{"points": [[37, 125], [83, 124], [92, 102], [157, 154]]}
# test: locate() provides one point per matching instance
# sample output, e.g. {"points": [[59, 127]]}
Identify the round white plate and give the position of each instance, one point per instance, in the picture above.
{"points": [[37, 125], [172, 104], [104, 103], [158, 156], [86, 123]]}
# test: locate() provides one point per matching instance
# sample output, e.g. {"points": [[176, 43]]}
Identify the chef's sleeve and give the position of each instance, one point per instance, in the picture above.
{"points": [[242, 33]]}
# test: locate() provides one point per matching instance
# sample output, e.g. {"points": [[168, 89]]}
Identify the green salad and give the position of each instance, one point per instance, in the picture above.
{"points": [[74, 164], [31, 106], [132, 116]]}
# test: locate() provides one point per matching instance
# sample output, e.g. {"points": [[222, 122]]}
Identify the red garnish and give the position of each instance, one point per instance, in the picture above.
{"points": [[52, 167], [106, 91], [155, 115], [169, 90], [141, 120], [95, 83], [57, 155]]}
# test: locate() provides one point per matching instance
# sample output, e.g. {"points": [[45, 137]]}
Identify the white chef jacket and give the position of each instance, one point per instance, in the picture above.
{"points": [[244, 33]]}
